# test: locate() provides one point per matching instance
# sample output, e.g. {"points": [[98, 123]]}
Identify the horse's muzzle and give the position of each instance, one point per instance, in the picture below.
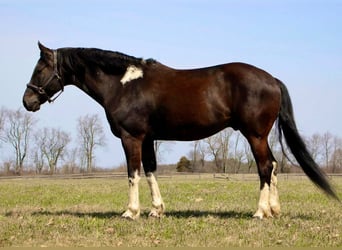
{"points": [[31, 102]]}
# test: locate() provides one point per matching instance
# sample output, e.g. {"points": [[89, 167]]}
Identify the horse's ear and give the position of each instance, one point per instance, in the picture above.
{"points": [[45, 52]]}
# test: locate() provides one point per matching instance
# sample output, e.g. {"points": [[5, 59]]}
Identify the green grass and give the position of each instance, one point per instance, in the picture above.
{"points": [[199, 212]]}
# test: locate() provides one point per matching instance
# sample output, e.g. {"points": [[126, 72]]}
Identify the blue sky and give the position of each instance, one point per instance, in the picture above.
{"points": [[299, 42]]}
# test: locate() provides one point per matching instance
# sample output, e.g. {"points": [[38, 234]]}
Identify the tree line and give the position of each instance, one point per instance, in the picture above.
{"points": [[43, 149], [229, 152]]}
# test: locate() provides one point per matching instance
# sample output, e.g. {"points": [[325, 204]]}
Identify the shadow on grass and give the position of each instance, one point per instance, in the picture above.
{"points": [[171, 213], [197, 213], [100, 215], [301, 217], [230, 215], [175, 214]]}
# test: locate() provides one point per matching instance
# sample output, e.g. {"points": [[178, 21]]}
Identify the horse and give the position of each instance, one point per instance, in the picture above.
{"points": [[145, 101]]}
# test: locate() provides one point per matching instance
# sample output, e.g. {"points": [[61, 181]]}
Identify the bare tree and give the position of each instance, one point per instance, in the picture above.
{"points": [[273, 141], [52, 143], [238, 153], [70, 161], [194, 154], [198, 154], [224, 139], [202, 152], [218, 147], [160, 147], [38, 160], [2, 124], [336, 156], [213, 149], [337, 161], [90, 135], [314, 143], [17, 133], [249, 155], [326, 148]]}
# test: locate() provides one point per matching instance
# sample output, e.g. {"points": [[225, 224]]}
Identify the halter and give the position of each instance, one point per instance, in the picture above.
{"points": [[41, 89]]}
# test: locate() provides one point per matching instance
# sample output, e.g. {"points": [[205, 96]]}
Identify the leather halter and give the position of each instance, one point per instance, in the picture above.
{"points": [[41, 89]]}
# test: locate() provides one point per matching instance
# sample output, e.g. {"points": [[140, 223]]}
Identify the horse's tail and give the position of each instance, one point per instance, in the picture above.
{"points": [[287, 126]]}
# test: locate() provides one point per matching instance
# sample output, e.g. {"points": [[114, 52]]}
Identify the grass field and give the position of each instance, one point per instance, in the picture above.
{"points": [[199, 212]]}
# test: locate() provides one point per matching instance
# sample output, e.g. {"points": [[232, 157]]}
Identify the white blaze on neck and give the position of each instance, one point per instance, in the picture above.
{"points": [[132, 73]]}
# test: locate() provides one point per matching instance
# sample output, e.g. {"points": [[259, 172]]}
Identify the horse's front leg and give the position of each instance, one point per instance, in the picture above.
{"points": [[132, 147], [150, 166], [158, 206]]}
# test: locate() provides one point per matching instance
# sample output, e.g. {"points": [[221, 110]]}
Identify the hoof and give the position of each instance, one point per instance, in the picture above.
{"points": [[268, 212], [130, 215], [157, 212], [154, 214], [257, 217], [275, 211], [263, 213]]}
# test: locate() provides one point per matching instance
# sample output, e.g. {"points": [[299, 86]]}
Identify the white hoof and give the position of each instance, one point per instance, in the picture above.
{"points": [[157, 212], [275, 209], [131, 215], [263, 213]]}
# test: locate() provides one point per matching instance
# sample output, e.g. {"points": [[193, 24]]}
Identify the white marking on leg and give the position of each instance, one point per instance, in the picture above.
{"points": [[157, 201], [274, 197], [133, 210], [132, 73], [264, 209]]}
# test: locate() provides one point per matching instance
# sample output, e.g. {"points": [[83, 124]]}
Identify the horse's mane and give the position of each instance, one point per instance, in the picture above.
{"points": [[109, 61]]}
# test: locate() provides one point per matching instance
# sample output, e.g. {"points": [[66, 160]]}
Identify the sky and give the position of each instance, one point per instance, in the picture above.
{"points": [[297, 41]]}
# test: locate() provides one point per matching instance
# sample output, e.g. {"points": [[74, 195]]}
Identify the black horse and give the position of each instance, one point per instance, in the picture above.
{"points": [[145, 100]]}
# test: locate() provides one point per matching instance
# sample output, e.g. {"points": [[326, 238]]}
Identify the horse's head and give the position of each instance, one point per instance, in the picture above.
{"points": [[45, 81]]}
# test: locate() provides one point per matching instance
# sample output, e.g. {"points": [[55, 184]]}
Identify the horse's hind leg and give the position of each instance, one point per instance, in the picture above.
{"points": [[274, 196], [268, 205], [150, 166]]}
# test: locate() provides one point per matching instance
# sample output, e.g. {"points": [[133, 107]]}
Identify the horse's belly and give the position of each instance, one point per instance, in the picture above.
{"points": [[188, 131]]}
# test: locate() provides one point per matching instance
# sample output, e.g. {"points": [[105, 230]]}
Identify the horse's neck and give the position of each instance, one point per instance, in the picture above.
{"points": [[98, 85], [101, 90]]}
